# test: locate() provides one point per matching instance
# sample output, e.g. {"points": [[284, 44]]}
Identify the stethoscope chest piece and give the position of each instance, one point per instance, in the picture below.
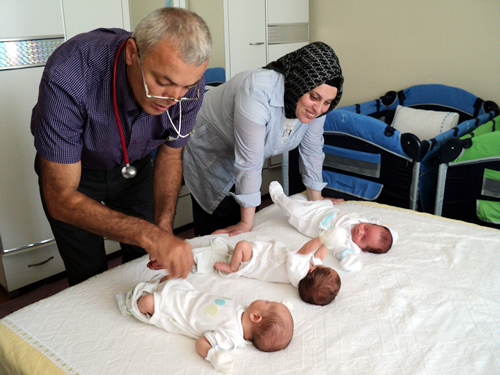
{"points": [[129, 171]]}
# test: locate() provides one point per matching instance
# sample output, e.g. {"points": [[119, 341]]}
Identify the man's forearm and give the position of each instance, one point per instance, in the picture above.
{"points": [[81, 211], [65, 203], [167, 182]]}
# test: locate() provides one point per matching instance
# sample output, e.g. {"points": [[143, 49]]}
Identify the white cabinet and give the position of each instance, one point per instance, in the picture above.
{"points": [[287, 26], [250, 34], [258, 32], [83, 16], [29, 32], [245, 31]]}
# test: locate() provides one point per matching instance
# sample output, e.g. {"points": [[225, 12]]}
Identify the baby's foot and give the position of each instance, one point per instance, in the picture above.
{"points": [[275, 190], [224, 267]]}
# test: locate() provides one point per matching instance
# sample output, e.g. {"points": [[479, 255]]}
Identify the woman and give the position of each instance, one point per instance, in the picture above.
{"points": [[253, 116]]}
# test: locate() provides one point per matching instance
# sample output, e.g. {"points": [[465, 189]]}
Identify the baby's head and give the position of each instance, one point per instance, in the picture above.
{"points": [[271, 325], [372, 238], [320, 286]]}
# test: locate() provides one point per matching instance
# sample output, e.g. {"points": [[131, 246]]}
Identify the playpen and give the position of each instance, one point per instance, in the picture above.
{"points": [[468, 186], [387, 150]]}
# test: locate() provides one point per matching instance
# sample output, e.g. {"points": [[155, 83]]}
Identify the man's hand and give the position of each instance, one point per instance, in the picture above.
{"points": [[173, 254]]}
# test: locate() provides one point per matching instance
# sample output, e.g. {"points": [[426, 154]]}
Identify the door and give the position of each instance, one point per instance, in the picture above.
{"points": [[246, 35], [83, 16]]}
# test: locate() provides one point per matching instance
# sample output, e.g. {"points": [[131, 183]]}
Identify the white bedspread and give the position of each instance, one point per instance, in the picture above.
{"points": [[431, 305]]}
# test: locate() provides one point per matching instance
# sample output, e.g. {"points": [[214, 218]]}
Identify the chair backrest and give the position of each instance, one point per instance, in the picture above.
{"points": [[214, 77]]}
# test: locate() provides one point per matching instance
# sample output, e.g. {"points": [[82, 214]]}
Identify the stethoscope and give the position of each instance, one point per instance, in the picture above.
{"points": [[129, 171]]}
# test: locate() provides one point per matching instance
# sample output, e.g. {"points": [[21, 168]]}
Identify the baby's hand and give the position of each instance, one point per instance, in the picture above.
{"points": [[220, 359], [333, 238]]}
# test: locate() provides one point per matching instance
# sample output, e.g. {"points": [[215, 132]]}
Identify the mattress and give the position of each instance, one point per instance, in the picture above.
{"points": [[431, 305]]}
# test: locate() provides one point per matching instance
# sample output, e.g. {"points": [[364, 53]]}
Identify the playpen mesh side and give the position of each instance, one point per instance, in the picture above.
{"points": [[394, 178], [408, 177], [472, 110], [470, 188], [464, 198]]}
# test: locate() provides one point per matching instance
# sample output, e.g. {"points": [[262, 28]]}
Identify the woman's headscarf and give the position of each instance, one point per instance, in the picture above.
{"points": [[305, 69]]}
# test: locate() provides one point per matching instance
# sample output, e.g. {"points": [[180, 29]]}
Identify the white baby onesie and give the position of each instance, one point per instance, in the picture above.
{"points": [[271, 261], [274, 262], [311, 218], [180, 308]]}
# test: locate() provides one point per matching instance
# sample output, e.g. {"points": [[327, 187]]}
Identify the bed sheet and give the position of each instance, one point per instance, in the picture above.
{"points": [[431, 305]]}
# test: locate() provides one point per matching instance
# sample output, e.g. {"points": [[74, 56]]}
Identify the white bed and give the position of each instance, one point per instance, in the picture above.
{"points": [[431, 305]]}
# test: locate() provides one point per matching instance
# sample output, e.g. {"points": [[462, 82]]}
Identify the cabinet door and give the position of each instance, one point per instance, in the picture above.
{"points": [[288, 26], [287, 11], [83, 16], [246, 35]]}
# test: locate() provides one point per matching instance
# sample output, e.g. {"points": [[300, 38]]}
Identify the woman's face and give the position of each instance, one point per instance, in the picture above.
{"points": [[315, 102]]}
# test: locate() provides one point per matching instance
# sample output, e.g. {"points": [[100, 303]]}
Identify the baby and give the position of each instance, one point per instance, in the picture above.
{"points": [[274, 262], [346, 233], [219, 324]]}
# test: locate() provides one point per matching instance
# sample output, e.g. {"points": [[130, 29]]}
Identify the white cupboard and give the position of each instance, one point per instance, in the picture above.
{"points": [[250, 34], [246, 47], [29, 32]]}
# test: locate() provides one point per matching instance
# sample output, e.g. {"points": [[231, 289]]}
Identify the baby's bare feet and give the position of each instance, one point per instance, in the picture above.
{"points": [[224, 267]]}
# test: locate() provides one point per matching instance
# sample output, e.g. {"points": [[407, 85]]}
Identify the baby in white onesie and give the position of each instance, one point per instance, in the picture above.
{"points": [[273, 262], [219, 324], [345, 233]]}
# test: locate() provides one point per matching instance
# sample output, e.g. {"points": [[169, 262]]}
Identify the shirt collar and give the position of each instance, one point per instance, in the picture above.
{"points": [[124, 95], [278, 97]]}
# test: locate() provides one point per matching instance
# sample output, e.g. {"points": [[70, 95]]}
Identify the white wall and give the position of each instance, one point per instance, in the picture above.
{"points": [[140, 8], [393, 44], [213, 14]]}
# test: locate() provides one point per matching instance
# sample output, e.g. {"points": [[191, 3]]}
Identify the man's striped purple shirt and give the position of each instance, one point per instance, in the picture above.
{"points": [[74, 118]]}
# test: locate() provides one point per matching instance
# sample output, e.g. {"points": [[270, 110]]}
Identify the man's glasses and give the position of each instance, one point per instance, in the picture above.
{"points": [[149, 96]]}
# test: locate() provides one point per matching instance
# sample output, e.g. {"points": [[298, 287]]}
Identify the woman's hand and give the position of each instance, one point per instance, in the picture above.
{"points": [[334, 200], [245, 225], [233, 230], [315, 195]]}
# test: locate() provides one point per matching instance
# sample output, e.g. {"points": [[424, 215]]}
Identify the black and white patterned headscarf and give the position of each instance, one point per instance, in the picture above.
{"points": [[306, 69]]}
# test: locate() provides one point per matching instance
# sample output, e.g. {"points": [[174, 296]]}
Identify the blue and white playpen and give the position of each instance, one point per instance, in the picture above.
{"points": [[372, 151]]}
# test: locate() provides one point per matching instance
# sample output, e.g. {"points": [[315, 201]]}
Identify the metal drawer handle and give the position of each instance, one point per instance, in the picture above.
{"points": [[256, 43], [39, 264]]}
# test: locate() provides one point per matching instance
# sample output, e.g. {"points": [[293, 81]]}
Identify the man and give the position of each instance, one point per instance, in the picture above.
{"points": [[86, 128]]}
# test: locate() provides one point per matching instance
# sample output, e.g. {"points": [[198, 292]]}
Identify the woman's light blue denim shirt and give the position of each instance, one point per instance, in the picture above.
{"points": [[239, 126]]}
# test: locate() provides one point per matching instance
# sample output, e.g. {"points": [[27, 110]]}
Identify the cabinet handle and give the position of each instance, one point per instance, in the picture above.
{"points": [[43, 262], [256, 43]]}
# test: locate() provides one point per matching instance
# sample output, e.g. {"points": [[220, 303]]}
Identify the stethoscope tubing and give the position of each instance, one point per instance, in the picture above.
{"points": [[115, 107], [129, 171]]}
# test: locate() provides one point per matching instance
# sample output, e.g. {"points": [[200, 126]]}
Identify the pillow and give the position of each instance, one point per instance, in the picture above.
{"points": [[424, 124]]}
